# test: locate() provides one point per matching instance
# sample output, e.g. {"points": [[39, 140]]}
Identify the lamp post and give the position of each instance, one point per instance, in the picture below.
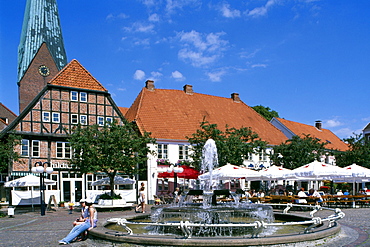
{"points": [[39, 168], [175, 169]]}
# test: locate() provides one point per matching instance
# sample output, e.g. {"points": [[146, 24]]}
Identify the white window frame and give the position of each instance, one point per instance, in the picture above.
{"points": [[46, 116], [83, 119], [64, 151], [35, 148], [74, 96], [109, 120], [162, 151], [25, 147], [100, 121], [83, 96], [74, 117], [55, 117], [184, 152]]}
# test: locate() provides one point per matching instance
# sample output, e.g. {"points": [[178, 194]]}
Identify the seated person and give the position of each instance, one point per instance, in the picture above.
{"points": [[301, 194], [84, 213], [88, 225]]}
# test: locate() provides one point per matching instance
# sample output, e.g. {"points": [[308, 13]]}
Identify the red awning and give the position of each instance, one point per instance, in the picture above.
{"points": [[188, 173]]}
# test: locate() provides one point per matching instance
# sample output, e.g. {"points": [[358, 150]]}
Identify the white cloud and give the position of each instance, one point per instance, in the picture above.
{"points": [[144, 42], [178, 76], [173, 5], [227, 12], [215, 76], [249, 55], [139, 75], [197, 59], [345, 132], [367, 119], [332, 123], [201, 49], [119, 16], [261, 11], [153, 18], [140, 28], [259, 65], [155, 75]]}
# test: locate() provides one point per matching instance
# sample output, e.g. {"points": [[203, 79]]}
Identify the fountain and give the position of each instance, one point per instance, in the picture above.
{"points": [[210, 216]]}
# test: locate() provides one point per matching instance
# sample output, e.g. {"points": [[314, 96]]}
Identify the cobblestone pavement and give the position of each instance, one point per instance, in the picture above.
{"points": [[31, 229]]}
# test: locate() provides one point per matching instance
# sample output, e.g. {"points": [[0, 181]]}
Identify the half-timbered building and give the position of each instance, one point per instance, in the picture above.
{"points": [[73, 97]]}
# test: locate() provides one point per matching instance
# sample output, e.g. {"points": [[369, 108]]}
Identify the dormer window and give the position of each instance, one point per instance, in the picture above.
{"points": [[5, 119]]}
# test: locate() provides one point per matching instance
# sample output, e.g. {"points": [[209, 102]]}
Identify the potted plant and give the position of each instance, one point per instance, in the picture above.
{"points": [[61, 204], [106, 199]]}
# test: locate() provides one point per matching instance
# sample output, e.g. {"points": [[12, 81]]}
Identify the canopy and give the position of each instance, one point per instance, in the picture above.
{"points": [[358, 171], [318, 169], [276, 172], [230, 172], [188, 173], [29, 180], [118, 180]]}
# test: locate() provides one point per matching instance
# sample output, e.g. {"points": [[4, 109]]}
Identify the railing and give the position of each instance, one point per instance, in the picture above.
{"points": [[187, 227], [343, 201]]}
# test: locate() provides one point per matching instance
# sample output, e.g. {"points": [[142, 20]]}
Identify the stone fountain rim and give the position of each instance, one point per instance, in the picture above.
{"points": [[141, 239]]}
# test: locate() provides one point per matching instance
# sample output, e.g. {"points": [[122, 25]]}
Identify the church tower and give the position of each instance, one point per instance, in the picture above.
{"points": [[41, 53]]}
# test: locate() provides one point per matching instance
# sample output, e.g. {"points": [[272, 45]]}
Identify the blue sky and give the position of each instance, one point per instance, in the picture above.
{"points": [[308, 60]]}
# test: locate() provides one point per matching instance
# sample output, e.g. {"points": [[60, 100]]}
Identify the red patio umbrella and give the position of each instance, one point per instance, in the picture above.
{"points": [[188, 173]]}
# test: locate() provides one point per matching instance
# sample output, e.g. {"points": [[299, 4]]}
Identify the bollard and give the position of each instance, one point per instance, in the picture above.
{"points": [[11, 211]]}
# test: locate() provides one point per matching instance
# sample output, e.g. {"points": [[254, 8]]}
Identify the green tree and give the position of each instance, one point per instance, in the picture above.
{"points": [[7, 153], [266, 112], [110, 149], [233, 145], [298, 151], [358, 152]]}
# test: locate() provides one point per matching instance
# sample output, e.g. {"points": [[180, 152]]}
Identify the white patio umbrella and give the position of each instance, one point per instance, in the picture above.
{"points": [[358, 171], [230, 172], [276, 172], [28, 181], [319, 171], [118, 180], [358, 174]]}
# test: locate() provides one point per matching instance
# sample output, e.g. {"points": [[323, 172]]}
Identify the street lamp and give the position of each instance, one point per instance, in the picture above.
{"points": [[39, 168], [175, 169]]}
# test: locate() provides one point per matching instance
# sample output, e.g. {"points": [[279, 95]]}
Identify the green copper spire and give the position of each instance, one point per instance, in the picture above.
{"points": [[41, 24]]}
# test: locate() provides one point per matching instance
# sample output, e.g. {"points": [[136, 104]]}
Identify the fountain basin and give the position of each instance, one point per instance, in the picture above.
{"points": [[320, 231], [326, 228]]}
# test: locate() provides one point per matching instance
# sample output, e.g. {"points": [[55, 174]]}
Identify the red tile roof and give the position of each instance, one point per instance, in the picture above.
{"points": [[325, 135], [174, 114], [123, 110], [76, 76]]}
